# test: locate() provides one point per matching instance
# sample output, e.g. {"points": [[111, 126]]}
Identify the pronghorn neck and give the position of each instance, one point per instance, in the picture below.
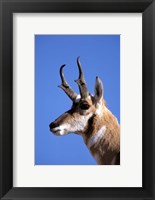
{"points": [[102, 137]]}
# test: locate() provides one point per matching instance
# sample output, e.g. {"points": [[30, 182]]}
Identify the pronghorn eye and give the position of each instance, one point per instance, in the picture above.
{"points": [[84, 106]]}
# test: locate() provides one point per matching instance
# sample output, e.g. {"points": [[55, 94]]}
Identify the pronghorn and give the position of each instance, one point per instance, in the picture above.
{"points": [[90, 118]]}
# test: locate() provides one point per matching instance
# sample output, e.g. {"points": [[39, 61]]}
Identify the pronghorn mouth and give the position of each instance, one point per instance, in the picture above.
{"points": [[58, 131], [54, 130]]}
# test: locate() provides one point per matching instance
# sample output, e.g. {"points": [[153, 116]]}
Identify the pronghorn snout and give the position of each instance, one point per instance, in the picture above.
{"points": [[53, 125], [58, 129]]}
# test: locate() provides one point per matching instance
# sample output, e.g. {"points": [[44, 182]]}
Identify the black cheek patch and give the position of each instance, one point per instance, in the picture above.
{"points": [[90, 127], [90, 121]]}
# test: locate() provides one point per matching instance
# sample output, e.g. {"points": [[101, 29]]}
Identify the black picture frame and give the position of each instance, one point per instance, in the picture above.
{"points": [[7, 8]]}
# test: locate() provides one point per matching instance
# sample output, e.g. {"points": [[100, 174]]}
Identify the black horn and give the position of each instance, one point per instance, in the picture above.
{"points": [[65, 86], [81, 81]]}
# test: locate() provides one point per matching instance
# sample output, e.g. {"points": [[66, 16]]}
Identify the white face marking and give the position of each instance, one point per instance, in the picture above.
{"points": [[99, 109], [96, 137], [80, 123], [60, 130], [75, 126], [78, 98]]}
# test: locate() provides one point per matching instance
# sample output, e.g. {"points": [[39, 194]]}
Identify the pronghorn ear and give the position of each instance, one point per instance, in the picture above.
{"points": [[98, 90]]}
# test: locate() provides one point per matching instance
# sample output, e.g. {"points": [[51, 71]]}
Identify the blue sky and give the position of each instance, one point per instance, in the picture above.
{"points": [[99, 55]]}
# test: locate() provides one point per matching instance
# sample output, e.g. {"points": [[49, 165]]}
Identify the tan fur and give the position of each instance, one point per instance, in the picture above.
{"points": [[109, 146], [90, 117], [107, 149]]}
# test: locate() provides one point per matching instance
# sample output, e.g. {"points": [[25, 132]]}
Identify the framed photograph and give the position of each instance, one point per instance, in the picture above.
{"points": [[93, 135]]}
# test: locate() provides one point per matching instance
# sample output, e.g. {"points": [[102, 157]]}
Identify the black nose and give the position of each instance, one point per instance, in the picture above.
{"points": [[52, 125]]}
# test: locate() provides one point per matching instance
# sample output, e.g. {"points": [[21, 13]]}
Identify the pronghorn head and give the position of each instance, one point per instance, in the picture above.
{"points": [[84, 108]]}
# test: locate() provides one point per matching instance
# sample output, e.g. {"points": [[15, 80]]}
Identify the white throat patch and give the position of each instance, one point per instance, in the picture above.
{"points": [[96, 137]]}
